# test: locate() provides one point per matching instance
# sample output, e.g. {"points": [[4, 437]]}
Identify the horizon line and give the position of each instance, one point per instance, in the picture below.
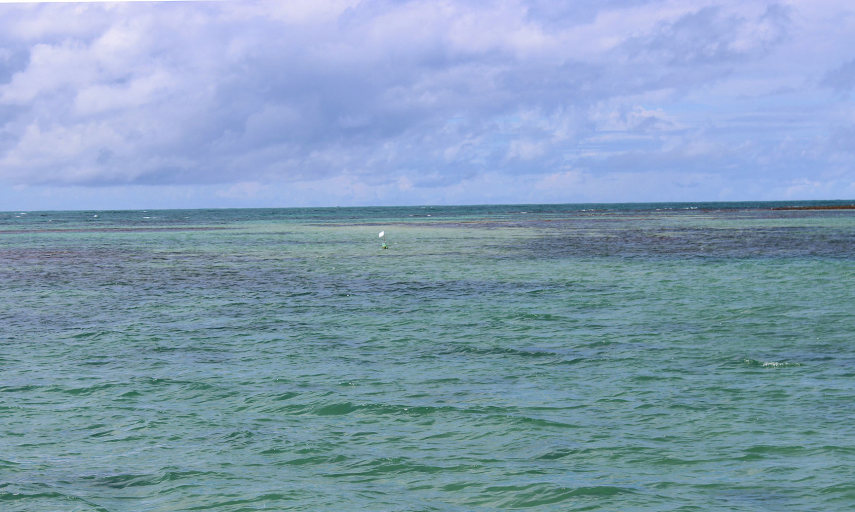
{"points": [[842, 202]]}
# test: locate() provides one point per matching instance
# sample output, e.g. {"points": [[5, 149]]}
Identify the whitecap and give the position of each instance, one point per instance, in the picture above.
{"points": [[778, 364], [770, 364]]}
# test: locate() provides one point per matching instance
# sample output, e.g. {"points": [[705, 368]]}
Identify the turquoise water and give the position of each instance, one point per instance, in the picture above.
{"points": [[549, 357]]}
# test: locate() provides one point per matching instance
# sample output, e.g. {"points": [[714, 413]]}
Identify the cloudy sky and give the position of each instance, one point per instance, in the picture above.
{"points": [[388, 102]]}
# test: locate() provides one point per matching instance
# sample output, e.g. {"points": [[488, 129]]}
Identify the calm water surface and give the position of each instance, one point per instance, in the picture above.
{"points": [[572, 357]]}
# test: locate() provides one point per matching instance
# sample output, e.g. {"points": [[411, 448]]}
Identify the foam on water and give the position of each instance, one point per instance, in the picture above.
{"points": [[771, 364]]}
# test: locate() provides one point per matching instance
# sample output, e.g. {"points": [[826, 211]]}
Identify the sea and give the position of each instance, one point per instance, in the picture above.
{"points": [[597, 357]]}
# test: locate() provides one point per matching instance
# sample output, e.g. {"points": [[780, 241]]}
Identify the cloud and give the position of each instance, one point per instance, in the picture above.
{"points": [[842, 78], [431, 100], [713, 35]]}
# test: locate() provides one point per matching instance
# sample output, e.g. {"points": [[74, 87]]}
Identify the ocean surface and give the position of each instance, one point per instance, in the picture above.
{"points": [[637, 357]]}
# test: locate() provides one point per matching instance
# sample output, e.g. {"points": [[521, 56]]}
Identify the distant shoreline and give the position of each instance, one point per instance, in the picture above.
{"points": [[818, 207]]}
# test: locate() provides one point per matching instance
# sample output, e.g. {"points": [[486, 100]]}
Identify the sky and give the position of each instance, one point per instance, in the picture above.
{"points": [[395, 102]]}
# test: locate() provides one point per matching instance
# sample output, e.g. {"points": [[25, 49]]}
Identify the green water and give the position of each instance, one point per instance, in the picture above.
{"points": [[617, 357]]}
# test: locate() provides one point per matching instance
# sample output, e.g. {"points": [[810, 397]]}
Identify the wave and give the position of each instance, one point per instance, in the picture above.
{"points": [[770, 364], [541, 494]]}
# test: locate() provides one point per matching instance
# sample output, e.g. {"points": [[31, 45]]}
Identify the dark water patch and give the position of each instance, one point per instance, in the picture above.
{"points": [[345, 408], [654, 377], [536, 317], [442, 288], [239, 437], [487, 415], [840, 450], [528, 421], [539, 495], [15, 496], [25, 257], [384, 466], [127, 229], [47, 500], [561, 453], [719, 243], [501, 351], [842, 490], [83, 391], [316, 460], [248, 504], [90, 335], [19, 389], [123, 481], [338, 409], [777, 450], [666, 460], [459, 486]]}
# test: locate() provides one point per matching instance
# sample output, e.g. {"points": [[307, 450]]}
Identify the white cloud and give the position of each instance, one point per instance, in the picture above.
{"points": [[431, 101], [526, 149]]}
